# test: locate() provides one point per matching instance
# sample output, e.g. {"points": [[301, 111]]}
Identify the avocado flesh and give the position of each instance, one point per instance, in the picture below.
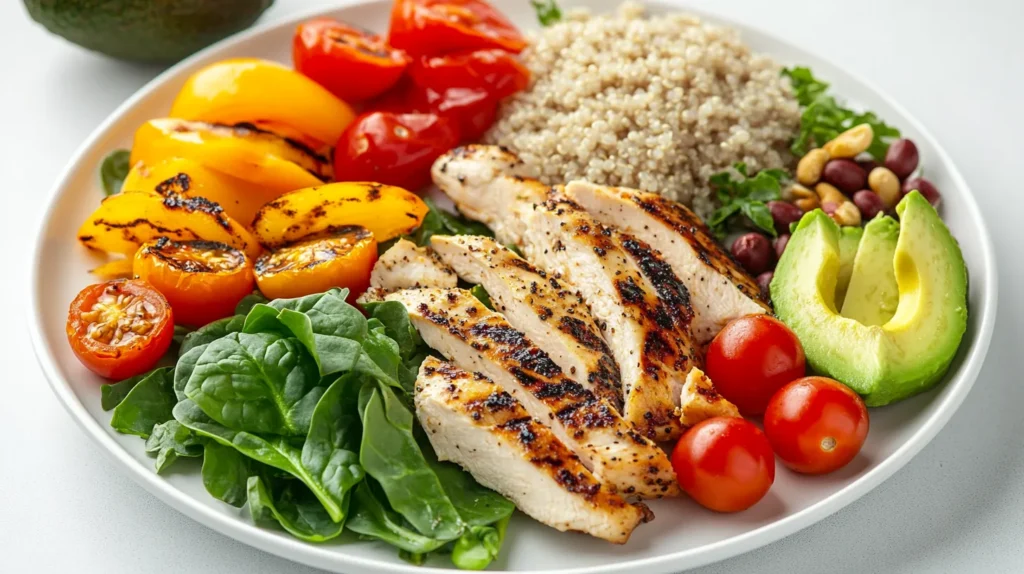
{"points": [[849, 240], [873, 293], [145, 30], [911, 351]]}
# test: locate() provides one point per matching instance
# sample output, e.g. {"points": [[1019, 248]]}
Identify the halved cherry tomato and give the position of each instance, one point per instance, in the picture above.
{"points": [[343, 258], [816, 424], [202, 280], [120, 328], [724, 463], [434, 27], [751, 358], [393, 149], [352, 64]]}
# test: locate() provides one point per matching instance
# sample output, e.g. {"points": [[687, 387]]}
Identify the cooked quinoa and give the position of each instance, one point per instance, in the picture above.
{"points": [[657, 103]]}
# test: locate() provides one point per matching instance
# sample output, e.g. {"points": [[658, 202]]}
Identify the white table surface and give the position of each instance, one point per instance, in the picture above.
{"points": [[957, 507]]}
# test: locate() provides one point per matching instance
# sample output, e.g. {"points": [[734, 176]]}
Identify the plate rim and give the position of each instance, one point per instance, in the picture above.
{"points": [[319, 556]]}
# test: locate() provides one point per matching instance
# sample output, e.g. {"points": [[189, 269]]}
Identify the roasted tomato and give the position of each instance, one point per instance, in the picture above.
{"points": [[352, 64], [343, 258], [202, 280], [434, 27], [393, 149], [120, 328]]}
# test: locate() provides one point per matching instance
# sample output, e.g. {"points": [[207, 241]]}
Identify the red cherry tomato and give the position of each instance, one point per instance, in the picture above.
{"points": [[394, 149], [751, 358], [351, 63], [120, 328], [725, 464], [816, 425], [434, 27], [495, 72]]}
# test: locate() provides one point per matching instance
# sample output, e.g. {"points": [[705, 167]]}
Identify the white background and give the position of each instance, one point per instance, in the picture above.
{"points": [[957, 507]]}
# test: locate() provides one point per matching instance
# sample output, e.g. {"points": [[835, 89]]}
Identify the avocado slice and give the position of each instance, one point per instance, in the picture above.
{"points": [[849, 240], [873, 293], [145, 30], [912, 350]]}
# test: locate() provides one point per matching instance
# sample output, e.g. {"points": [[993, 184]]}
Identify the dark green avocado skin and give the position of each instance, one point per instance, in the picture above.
{"points": [[145, 30]]}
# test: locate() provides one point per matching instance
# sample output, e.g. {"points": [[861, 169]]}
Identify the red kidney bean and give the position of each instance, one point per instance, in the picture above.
{"points": [[753, 252], [925, 187], [902, 158], [869, 203], [779, 243], [845, 174], [764, 281], [783, 214]]}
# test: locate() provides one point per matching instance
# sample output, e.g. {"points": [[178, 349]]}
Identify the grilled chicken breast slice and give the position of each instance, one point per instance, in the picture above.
{"points": [[720, 290], [473, 423], [454, 323], [406, 266], [700, 400], [549, 311]]}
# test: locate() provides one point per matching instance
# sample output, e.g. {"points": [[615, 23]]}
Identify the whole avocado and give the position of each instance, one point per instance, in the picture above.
{"points": [[145, 30]]}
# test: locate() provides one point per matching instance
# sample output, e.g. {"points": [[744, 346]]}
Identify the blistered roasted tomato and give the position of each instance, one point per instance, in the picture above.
{"points": [[434, 27], [352, 64], [343, 258], [495, 72], [202, 280], [393, 149], [120, 328]]}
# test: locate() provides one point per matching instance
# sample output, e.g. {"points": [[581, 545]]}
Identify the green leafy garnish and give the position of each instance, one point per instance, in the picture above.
{"points": [[823, 118], [113, 170], [745, 195], [482, 295], [548, 11], [441, 222]]}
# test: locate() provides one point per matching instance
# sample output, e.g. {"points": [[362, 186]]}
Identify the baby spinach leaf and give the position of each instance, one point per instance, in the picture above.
{"points": [[479, 546], [169, 440], [389, 453], [210, 333], [111, 395], [292, 506], [225, 472], [247, 302], [397, 325], [482, 295], [328, 312], [114, 170], [277, 452], [441, 222], [146, 405], [330, 451], [256, 382], [180, 332], [370, 517]]}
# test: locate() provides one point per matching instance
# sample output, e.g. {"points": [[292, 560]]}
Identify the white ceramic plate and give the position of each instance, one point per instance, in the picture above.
{"points": [[683, 535]]}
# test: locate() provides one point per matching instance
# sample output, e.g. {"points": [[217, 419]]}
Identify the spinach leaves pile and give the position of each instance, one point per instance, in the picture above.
{"points": [[301, 408]]}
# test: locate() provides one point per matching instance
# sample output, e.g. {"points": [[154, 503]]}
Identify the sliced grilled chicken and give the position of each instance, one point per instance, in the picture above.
{"points": [[473, 423], [458, 326], [406, 266], [700, 400], [552, 314], [720, 290], [462, 172]]}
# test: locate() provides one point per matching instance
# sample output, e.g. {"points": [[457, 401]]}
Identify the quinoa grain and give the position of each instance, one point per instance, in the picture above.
{"points": [[659, 104]]}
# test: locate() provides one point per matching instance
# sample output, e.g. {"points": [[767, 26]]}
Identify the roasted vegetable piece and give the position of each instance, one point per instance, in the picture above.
{"points": [[120, 328], [342, 258], [125, 221], [202, 280], [430, 27], [385, 210], [250, 89], [114, 269], [242, 150], [240, 199]]}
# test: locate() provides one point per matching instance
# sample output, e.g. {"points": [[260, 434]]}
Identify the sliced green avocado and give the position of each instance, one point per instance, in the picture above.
{"points": [[145, 30], [873, 293], [911, 351], [849, 240]]}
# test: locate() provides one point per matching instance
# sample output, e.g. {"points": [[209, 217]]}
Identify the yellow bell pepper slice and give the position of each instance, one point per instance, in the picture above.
{"points": [[250, 89], [239, 198], [125, 221], [385, 210], [241, 151], [114, 269]]}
